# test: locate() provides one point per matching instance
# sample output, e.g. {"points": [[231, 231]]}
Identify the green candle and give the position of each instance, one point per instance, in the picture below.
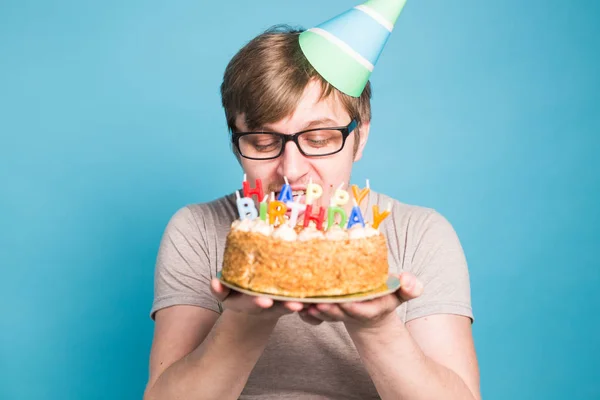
{"points": [[263, 209], [331, 212]]}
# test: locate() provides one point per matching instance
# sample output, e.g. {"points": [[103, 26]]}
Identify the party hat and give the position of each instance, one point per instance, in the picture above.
{"points": [[345, 49]]}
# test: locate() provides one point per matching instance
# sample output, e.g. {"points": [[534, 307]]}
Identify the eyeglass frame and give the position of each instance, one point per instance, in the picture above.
{"points": [[345, 130]]}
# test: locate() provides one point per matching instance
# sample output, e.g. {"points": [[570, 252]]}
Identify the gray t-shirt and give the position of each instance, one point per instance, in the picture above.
{"points": [[301, 360]]}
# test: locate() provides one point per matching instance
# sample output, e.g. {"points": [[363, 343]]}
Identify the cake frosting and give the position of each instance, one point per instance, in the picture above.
{"points": [[285, 232], [310, 233]]}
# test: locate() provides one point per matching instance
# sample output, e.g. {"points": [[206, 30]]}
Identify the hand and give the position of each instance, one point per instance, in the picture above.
{"points": [[262, 307], [365, 314]]}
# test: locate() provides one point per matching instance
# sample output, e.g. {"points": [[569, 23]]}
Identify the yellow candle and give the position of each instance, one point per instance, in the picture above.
{"points": [[359, 194], [277, 211], [379, 217], [340, 198], [313, 192]]}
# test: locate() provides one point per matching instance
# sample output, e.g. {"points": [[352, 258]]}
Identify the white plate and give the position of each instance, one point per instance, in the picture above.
{"points": [[391, 285]]}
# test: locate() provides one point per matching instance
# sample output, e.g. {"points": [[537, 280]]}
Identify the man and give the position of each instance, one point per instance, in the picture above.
{"points": [[212, 343]]}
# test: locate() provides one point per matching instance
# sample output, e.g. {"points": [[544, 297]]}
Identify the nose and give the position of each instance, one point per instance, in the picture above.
{"points": [[293, 165]]}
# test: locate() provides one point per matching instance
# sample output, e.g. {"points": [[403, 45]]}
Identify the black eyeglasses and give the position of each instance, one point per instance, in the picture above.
{"points": [[317, 142]]}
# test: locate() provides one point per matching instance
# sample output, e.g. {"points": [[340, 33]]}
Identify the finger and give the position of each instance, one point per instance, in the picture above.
{"points": [[359, 311], [371, 309], [410, 286], [263, 302], [306, 317], [219, 290], [316, 313], [293, 306], [333, 311]]}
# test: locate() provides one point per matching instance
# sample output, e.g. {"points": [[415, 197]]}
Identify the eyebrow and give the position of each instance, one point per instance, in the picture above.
{"points": [[321, 122], [324, 122]]}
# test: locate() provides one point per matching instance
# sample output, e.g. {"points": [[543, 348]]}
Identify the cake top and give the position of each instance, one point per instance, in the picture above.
{"points": [[279, 217]]}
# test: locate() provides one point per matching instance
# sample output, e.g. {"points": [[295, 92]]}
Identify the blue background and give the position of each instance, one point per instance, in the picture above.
{"points": [[110, 120]]}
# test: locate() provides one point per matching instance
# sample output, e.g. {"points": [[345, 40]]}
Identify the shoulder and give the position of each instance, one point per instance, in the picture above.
{"points": [[407, 218], [204, 217], [201, 221], [417, 234]]}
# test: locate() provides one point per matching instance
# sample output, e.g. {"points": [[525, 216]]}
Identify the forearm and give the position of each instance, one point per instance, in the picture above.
{"points": [[400, 370], [219, 368]]}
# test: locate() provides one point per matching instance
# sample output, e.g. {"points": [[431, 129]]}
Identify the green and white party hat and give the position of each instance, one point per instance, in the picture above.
{"points": [[345, 49]]}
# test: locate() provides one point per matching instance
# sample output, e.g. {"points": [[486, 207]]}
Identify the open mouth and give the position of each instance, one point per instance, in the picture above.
{"points": [[297, 195]]}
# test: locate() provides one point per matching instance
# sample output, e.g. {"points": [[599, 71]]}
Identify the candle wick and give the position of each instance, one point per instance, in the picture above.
{"points": [[244, 177], [341, 185], [286, 180], [265, 199], [237, 194], [368, 187]]}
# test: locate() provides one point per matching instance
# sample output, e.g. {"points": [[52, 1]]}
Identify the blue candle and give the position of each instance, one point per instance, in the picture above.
{"points": [[246, 207], [285, 196], [356, 216]]}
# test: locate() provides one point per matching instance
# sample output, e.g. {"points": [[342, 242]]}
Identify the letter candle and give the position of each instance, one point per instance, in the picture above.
{"points": [[379, 217], [313, 192], [277, 211], [331, 213], [356, 216], [338, 200], [296, 207], [318, 219], [341, 197], [258, 190], [263, 208], [246, 207], [285, 195], [360, 194]]}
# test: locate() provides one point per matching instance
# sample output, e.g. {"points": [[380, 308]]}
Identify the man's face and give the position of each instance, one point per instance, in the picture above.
{"points": [[328, 171]]}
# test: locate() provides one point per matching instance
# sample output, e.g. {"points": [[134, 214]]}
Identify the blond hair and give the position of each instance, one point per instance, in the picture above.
{"points": [[267, 77]]}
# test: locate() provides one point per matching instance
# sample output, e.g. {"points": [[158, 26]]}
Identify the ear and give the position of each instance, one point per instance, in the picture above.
{"points": [[363, 129]]}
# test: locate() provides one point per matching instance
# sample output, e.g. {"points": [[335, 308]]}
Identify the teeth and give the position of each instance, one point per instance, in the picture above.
{"points": [[297, 192]]}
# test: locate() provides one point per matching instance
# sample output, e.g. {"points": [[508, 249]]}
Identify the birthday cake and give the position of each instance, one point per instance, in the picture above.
{"points": [[326, 254]]}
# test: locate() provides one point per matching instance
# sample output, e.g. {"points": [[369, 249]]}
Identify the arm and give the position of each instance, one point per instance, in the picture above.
{"points": [[431, 358], [197, 354]]}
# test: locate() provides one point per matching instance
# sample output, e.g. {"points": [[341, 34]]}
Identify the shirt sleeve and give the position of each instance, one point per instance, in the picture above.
{"points": [[439, 262], [182, 272]]}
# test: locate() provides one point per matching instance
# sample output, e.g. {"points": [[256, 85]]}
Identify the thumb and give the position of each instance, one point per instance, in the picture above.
{"points": [[219, 290], [410, 286]]}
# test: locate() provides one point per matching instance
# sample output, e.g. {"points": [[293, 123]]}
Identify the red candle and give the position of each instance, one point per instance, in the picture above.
{"points": [[257, 190], [318, 219]]}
